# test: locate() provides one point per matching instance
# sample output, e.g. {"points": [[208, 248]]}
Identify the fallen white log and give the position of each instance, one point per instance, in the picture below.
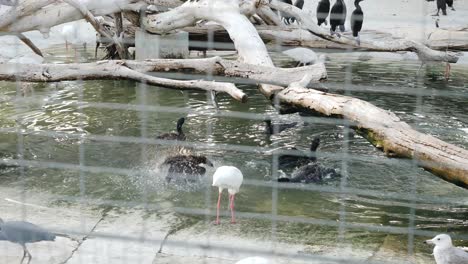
{"points": [[22, 8], [106, 70], [227, 14], [424, 53], [218, 66]]}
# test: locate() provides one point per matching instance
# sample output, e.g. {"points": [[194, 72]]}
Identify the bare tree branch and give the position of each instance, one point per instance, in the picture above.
{"points": [[30, 44], [106, 70]]}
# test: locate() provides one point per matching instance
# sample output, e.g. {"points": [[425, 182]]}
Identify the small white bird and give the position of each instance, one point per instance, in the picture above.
{"points": [[254, 260], [445, 252], [303, 56], [227, 177]]}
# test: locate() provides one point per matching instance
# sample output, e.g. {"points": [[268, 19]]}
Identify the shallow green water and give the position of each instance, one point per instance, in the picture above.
{"points": [[106, 138]]}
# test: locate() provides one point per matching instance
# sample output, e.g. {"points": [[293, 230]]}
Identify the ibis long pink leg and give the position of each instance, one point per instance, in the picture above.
{"points": [[217, 209], [233, 217], [447, 71]]}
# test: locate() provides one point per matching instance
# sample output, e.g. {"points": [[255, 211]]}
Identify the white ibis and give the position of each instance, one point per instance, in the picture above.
{"points": [[227, 177]]}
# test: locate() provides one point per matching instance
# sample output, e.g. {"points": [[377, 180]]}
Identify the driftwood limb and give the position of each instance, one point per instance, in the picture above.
{"points": [[58, 13], [235, 69], [384, 130], [269, 16], [22, 8], [30, 44], [107, 70], [424, 53]]}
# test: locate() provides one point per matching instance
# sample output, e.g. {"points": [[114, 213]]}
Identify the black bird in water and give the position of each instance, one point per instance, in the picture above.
{"points": [[311, 173], [291, 161], [357, 18], [323, 8], [277, 128], [186, 167], [338, 16], [441, 5], [175, 136]]}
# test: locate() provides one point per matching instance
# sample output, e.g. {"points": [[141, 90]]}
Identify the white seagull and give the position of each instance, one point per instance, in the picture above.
{"points": [[227, 177], [445, 252]]}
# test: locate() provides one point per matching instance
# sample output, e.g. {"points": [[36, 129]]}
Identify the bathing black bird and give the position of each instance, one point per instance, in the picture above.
{"points": [[338, 16], [277, 128], [311, 173], [175, 136], [186, 167], [323, 8], [357, 18], [291, 161]]}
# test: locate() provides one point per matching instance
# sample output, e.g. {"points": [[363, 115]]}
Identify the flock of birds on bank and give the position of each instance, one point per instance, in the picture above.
{"points": [[337, 14]]}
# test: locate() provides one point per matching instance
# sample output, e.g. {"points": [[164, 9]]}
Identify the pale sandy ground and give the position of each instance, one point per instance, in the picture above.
{"points": [[129, 235], [143, 235]]}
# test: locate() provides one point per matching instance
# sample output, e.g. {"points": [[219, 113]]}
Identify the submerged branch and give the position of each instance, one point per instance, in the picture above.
{"points": [[107, 70]]}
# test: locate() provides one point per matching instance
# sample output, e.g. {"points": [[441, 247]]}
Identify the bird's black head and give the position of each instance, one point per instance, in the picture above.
{"points": [[180, 122], [315, 144], [203, 160], [269, 127], [208, 162]]}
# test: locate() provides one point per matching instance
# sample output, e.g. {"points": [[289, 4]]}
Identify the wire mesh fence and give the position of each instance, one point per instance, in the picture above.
{"points": [[83, 159]]}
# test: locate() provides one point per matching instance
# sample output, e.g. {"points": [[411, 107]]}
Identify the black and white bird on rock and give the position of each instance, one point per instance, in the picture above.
{"points": [[357, 19], [323, 8], [338, 16]]}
